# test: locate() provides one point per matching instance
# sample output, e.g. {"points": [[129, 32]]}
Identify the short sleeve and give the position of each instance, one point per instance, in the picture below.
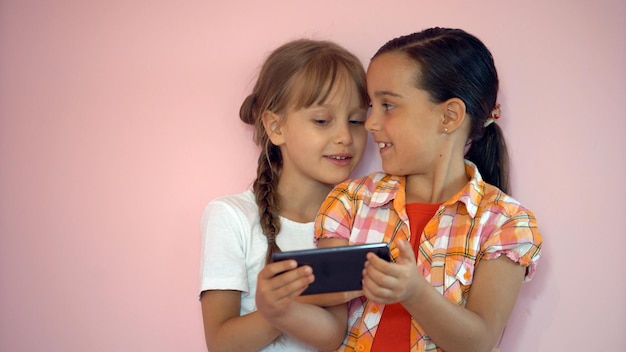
{"points": [[519, 239], [223, 264], [335, 217]]}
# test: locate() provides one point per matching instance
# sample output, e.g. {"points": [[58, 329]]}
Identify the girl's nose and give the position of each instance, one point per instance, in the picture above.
{"points": [[344, 134], [372, 123]]}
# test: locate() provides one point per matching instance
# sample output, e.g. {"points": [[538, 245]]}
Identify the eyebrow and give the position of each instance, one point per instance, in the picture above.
{"points": [[383, 93], [327, 107]]}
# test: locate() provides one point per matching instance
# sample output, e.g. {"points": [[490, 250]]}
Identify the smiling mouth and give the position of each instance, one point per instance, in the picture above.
{"points": [[339, 157], [382, 145]]}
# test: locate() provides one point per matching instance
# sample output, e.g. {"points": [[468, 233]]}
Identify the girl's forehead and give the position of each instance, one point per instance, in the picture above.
{"points": [[391, 70], [393, 61], [305, 93]]}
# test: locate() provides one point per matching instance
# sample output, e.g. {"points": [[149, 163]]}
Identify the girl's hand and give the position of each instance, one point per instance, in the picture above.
{"points": [[387, 283], [278, 284]]}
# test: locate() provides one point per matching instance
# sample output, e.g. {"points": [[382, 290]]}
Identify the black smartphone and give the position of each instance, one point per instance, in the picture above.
{"points": [[336, 269]]}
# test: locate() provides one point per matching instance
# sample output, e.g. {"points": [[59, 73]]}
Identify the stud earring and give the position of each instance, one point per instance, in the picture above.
{"points": [[445, 130]]}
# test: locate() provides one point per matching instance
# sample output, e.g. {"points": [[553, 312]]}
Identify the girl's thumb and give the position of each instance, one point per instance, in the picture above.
{"points": [[406, 251]]}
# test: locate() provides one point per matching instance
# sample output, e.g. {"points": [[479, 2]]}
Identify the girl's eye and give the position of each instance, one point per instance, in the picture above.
{"points": [[321, 122], [359, 118], [387, 106], [384, 106], [357, 122]]}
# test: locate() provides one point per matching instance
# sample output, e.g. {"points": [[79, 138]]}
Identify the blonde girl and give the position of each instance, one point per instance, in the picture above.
{"points": [[308, 108]]}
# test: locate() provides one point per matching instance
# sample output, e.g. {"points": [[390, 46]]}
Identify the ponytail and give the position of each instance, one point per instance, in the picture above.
{"points": [[490, 155]]}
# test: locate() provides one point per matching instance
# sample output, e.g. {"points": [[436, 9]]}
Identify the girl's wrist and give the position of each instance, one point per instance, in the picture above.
{"points": [[419, 295]]}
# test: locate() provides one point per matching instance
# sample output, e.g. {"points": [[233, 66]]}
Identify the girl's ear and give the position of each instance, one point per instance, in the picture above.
{"points": [[454, 115], [271, 123]]}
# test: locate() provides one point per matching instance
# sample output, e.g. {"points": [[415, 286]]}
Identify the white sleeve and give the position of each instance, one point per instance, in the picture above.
{"points": [[223, 259]]}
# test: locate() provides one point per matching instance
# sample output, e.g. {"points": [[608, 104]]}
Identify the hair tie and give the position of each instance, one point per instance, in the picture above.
{"points": [[495, 114]]}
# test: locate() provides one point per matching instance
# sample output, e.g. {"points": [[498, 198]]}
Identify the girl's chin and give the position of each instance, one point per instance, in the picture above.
{"points": [[392, 170]]}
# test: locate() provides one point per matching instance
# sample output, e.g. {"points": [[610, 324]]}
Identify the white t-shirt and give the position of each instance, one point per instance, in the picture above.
{"points": [[234, 249]]}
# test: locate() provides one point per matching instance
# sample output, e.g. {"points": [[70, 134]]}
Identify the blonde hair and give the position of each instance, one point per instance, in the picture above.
{"points": [[321, 65]]}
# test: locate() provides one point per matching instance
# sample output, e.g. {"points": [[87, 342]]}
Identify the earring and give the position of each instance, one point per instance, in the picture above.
{"points": [[445, 130]]}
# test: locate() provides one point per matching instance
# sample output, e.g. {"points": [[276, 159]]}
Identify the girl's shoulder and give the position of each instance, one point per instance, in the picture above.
{"points": [[497, 207], [365, 182], [376, 183], [243, 202], [494, 197]]}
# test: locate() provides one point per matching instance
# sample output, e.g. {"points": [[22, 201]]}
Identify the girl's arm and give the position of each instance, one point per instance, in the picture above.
{"points": [[278, 286], [226, 330], [475, 327]]}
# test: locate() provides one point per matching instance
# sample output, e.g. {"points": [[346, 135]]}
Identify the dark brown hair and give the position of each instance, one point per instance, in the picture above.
{"points": [[321, 65], [454, 63]]}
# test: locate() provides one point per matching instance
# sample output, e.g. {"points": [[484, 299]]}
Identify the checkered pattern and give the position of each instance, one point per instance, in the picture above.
{"points": [[479, 222]]}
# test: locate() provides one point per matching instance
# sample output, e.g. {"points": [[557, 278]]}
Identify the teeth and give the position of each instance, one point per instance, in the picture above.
{"points": [[381, 145], [338, 157]]}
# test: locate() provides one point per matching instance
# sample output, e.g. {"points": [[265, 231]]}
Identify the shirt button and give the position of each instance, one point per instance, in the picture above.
{"points": [[467, 275], [360, 347]]}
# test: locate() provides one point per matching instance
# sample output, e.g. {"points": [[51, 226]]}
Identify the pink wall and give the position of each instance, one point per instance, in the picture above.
{"points": [[118, 122]]}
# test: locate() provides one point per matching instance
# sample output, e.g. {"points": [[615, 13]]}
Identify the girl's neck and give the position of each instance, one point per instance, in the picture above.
{"points": [[438, 186], [301, 202]]}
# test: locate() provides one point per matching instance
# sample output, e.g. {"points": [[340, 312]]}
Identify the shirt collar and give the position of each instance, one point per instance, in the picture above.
{"points": [[391, 187], [472, 194]]}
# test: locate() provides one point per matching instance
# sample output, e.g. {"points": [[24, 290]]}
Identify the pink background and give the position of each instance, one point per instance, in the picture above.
{"points": [[118, 122]]}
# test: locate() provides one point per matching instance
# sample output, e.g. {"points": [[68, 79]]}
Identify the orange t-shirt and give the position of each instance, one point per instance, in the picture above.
{"points": [[394, 329]]}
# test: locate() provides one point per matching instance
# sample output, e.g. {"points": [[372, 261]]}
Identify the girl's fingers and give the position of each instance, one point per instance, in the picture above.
{"points": [[375, 292], [276, 292], [294, 282], [380, 268], [272, 269], [285, 279], [386, 282], [378, 283]]}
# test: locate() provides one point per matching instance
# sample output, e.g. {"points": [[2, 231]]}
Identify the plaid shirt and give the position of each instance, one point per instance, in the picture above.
{"points": [[479, 222]]}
